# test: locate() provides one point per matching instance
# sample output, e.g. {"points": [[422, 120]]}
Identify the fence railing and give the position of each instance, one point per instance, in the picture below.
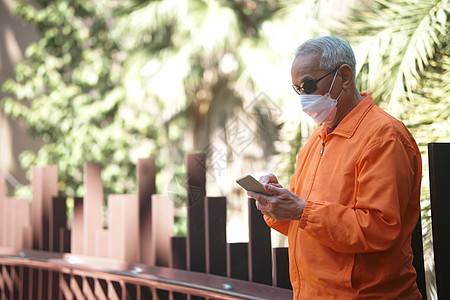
{"points": [[137, 254], [49, 275], [137, 257]]}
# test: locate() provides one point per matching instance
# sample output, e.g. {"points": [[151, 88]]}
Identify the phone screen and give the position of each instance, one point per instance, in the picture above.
{"points": [[249, 183]]}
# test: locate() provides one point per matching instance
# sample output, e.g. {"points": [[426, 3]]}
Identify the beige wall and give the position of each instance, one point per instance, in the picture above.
{"points": [[14, 38]]}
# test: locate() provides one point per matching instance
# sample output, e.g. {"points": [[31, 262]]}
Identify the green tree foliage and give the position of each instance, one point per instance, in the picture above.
{"points": [[399, 43], [72, 95], [113, 82]]}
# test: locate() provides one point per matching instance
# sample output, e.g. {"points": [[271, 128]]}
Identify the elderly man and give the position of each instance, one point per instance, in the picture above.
{"points": [[353, 201]]}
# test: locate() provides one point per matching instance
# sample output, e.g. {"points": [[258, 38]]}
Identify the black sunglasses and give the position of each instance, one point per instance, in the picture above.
{"points": [[309, 86]]}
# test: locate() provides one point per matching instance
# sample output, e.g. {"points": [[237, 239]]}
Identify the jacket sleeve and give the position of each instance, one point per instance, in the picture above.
{"points": [[384, 184], [282, 226]]}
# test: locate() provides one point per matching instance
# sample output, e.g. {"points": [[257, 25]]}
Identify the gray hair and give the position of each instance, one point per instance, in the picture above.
{"points": [[333, 52]]}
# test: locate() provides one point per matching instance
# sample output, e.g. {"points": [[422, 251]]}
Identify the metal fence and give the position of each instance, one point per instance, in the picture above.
{"points": [[138, 258], [49, 275]]}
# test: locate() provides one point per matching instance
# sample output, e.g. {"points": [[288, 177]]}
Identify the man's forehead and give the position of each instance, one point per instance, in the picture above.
{"points": [[305, 64]]}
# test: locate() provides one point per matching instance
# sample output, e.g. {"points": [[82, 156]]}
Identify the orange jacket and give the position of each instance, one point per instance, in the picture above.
{"points": [[362, 187]]}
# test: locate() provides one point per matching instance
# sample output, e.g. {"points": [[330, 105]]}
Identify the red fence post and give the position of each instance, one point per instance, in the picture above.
{"points": [[37, 207], [64, 240], [20, 211], [259, 247], [102, 243], [216, 235], [92, 206], [58, 221], [178, 250], [44, 182], [237, 262], [281, 268], [124, 227], [162, 230], [76, 234], [146, 173], [196, 191]]}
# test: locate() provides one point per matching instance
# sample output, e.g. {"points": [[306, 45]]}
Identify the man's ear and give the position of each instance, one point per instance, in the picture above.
{"points": [[346, 73]]}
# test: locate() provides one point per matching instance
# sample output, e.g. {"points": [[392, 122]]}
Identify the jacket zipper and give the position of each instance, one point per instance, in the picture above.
{"points": [[317, 167], [296, 232]]}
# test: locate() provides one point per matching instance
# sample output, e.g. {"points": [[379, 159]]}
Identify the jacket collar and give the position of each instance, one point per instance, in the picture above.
{"points": [[348, 126]]}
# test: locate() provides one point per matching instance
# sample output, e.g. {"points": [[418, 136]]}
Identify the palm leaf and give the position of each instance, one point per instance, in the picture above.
{"points": [[401, 38]]}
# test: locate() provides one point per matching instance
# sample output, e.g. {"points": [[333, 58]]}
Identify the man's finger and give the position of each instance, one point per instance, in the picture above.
{"points": [[269, 178], [253, 195], [274, 190], [258, 205], [258, 197]]}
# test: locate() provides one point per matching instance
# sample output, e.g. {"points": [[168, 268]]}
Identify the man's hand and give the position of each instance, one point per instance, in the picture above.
{"points": [[283, 205], [270, 179]]}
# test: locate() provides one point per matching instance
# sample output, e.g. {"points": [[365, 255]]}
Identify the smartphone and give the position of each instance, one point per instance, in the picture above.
{"points": [[249, 183]]}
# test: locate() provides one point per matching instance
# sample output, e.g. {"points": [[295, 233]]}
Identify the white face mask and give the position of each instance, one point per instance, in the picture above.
{"points": [[321, 108]]}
